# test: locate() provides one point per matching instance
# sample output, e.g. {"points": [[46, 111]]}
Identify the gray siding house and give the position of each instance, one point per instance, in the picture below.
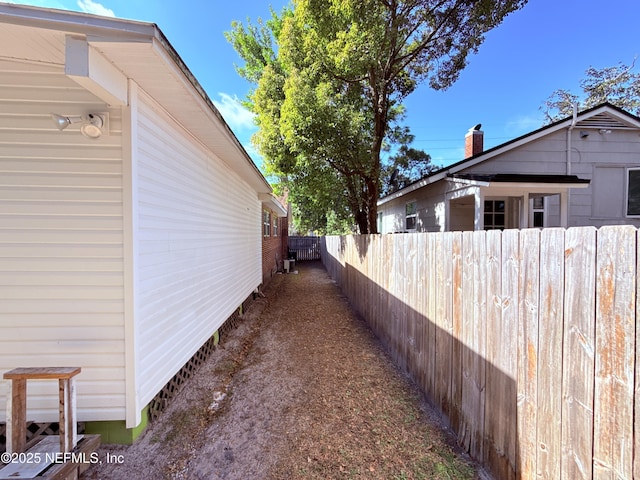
{"points": [[582, 170]]}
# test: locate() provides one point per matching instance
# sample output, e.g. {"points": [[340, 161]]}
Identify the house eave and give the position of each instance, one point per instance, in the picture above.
{"points": [[142, 53], [550, 183], [272, 203]]}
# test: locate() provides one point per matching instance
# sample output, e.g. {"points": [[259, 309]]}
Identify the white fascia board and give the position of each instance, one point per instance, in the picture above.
{"points": [[538, 186], [513, 189], [76, 22], [466, 181], [87, 67], [419, 184]]}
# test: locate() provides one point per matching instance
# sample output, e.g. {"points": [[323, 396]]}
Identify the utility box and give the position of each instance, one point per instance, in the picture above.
{"points": [[289, 265]]}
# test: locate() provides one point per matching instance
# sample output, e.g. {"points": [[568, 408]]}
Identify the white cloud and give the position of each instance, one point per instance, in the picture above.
{"points": [[237, 116], [524, 124], [89, 6]]}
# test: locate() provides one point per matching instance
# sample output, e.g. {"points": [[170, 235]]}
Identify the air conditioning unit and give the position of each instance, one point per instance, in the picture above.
{"points": [[289, 265]]}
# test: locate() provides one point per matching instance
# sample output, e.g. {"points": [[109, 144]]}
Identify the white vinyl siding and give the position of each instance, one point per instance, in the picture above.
{"points": [[198, 243], [61, 251]]}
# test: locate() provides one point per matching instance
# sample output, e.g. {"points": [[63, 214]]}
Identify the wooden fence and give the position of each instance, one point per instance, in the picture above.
{"points": [[525, 340], [304, 248]]}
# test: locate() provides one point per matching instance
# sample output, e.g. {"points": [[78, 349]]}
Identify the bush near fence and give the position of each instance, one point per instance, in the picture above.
{"points": [[525, 340]]}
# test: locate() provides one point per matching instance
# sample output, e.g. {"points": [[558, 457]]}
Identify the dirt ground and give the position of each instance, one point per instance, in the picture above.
{"points": [[300, 389]]}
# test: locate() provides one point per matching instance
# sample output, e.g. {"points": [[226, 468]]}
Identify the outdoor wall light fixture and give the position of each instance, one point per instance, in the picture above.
{"points": [[90, 124], [584, 134]]}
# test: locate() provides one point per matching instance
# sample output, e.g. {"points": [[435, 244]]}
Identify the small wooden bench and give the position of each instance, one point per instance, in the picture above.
{"points": [[17, 405]]}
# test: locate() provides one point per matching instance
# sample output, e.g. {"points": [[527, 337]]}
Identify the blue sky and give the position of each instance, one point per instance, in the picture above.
{"points": [[545, 46]]}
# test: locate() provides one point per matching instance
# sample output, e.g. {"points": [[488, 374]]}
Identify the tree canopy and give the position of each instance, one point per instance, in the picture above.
{"points": [[618, 85], [330, 79]]}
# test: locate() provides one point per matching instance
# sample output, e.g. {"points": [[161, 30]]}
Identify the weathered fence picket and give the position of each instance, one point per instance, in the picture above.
{"points": [[526, 340], [528, 353], [578, 369], [615, 355]]}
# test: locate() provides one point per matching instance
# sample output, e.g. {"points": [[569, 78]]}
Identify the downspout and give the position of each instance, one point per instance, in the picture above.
{"points": [[569, 130]]}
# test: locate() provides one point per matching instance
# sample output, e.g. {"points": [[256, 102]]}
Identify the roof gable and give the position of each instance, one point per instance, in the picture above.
{"points": [[606, 120]]}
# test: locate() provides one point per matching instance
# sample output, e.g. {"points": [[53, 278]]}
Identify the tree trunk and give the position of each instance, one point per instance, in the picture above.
{"points": [[372, 200], [361, 220], [381, 106]]}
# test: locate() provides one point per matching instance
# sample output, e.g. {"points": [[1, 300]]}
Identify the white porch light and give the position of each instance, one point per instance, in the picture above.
{"points": [[90, 125]]}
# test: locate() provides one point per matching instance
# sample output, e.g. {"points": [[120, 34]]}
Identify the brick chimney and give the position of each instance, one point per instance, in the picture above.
{"points": [[473, 141]]}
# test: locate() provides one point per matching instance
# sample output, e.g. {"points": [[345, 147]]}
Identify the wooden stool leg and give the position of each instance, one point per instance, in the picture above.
{"points": [[64, 415], [72, 410], [68, 426], [17, 416]]}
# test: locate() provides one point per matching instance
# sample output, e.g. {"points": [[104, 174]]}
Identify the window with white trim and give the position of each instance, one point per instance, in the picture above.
{"points": [[275, 226], [266, 223], [411, 215], [633, 192], [538, 211], [494, 214]]}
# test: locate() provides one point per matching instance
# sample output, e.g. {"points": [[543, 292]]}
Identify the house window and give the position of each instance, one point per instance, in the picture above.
{"points": [[411, 210], [275, 226], [538, 212], [379, 222], [494, 214], [633, 192], [266, 223]]}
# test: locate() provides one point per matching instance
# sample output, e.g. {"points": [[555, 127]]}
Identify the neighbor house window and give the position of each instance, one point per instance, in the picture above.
{"points": [[266, 222], [494, 214], [633, 192], [538, 212], [411, 210]]}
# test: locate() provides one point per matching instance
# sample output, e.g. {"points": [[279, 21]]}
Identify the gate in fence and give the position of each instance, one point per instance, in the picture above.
{"points": [[304, 248]]}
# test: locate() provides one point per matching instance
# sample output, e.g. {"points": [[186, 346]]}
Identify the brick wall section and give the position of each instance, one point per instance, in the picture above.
{"points": [[274, 247]]}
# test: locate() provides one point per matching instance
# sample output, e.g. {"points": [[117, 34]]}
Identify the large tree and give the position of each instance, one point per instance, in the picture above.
{"points": [[618, 85], [331, 92]]}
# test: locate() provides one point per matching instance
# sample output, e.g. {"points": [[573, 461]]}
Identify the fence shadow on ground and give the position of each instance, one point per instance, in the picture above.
{"points": [[473, 395]]}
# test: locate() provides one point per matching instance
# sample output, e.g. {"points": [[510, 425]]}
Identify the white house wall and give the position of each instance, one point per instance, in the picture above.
{"points": [[198, 243], [61, 234], [430, 205]]}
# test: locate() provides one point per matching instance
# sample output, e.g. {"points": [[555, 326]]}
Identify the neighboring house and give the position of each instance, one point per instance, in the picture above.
{"points": [[123, 253], [275, 231], [583, 170]]}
